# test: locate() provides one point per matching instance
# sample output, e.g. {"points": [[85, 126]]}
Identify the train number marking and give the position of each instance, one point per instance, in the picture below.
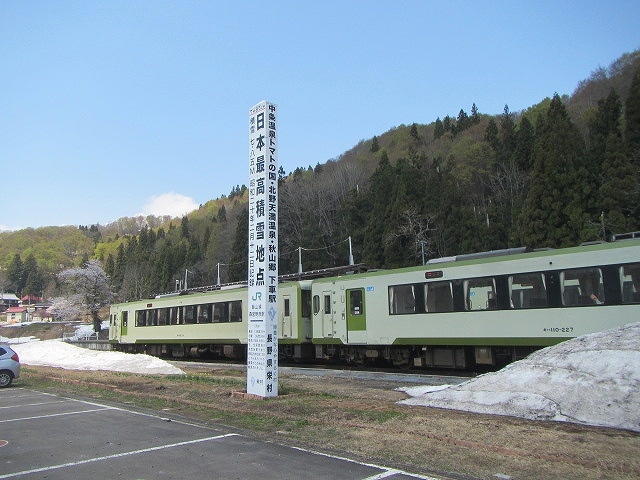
{"points": [[558, 330]]}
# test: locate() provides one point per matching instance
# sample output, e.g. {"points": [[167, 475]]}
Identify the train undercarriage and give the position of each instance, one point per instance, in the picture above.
{"points": [[420, 357]]}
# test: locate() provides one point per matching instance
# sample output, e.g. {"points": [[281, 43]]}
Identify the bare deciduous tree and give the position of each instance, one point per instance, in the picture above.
{"points": [[415, 226]]}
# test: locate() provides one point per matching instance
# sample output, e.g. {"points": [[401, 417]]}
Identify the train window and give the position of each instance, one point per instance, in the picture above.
{"points": [[235, 311], [439, 297], [220, 312], [141, 318], [163, 315], [356, 302], [174, 315], [402, 299], [152, 317], [480, 293], [125, 318], [316, 304], [287, 307], [327, 304], [204, 313], [527, 290], [582, 286], [630, 277], [190, 314]]}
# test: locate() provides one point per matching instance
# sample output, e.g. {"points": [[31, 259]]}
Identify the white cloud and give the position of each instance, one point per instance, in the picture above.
{"points": [[173, 204], [6, 228]]}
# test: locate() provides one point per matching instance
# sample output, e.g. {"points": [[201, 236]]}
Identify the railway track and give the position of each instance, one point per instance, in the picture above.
{"points": [[323, 371]]}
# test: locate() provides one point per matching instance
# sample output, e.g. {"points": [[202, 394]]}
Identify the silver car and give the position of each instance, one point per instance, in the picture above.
{"points": [[9, 366]]}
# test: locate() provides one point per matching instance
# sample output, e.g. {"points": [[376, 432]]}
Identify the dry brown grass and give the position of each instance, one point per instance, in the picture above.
{"points": [[361, 419]]}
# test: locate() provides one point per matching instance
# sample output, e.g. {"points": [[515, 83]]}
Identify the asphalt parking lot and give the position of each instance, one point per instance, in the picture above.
{"points": [[53, 437]]}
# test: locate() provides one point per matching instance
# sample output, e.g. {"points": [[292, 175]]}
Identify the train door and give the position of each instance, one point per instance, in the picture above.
{"points": [[286, 326], [124, 321], [114, 327], [326, 310], [356, 318]]}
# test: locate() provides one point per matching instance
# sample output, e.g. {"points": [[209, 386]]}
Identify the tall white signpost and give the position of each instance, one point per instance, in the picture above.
{"points": [[262, 349]]}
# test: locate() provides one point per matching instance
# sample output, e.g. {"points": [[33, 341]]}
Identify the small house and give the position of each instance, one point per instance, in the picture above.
{"points": [[16, 314]]}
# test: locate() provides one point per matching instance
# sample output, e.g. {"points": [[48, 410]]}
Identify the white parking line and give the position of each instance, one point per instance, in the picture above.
{"points": [[388, 472], [33, 404], [115, 455], [55, 415], [102, 406]]}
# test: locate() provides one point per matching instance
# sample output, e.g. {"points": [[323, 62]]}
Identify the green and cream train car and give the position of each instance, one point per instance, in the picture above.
{"points": [[208, 324], [480, 309], [459, 312]]}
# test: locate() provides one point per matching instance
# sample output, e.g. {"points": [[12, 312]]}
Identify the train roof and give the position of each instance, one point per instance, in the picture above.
{"points": [[284, 278], [494, 256]]}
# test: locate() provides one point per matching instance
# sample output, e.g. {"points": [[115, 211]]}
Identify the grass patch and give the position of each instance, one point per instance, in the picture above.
{"points": [[378, 416], [205, 379]]}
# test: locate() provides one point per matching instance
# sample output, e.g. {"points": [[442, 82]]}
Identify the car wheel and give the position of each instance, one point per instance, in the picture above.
{"points": [[5, 379]]}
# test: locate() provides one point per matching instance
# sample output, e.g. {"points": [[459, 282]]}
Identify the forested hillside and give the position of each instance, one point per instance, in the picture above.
{"points": [[564, 171]]}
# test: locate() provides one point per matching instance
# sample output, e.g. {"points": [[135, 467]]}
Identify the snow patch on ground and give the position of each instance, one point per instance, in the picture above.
{"points": [[593, 380], [56, 353]]}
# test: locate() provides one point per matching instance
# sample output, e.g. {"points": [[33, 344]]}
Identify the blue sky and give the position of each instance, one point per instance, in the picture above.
{"points": [[117, 108]]}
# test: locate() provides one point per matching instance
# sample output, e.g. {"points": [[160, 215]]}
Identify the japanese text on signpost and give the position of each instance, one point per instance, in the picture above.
{"points": [[262, 348]]}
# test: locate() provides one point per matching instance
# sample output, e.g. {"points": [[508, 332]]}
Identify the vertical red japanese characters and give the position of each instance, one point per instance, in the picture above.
{"points": [[262, 348]]}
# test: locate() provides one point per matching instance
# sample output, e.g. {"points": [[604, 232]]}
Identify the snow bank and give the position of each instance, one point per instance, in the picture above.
{"points": [[55, 353], [592, 380]]}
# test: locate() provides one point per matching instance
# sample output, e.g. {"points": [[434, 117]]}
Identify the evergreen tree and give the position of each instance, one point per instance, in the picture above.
{"points": [[605, 121], [463, 121], [109, 266], [524, 145], [456, 222], [15, 274], [355, 211], [381, 190], [438, 130], [405, 207], [413, 131], [491, 135], [30, 265], [447, 124], [508, 133], [184, 227], [33, 279], [554, 211], [374, 145], [94, 232], [164, 268], [618, 198], [475, 115], [35, 283], [632, 120], [222, 214], [605, 165], [238, 270], [206, 239], [632, 140], [120, 266]]}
